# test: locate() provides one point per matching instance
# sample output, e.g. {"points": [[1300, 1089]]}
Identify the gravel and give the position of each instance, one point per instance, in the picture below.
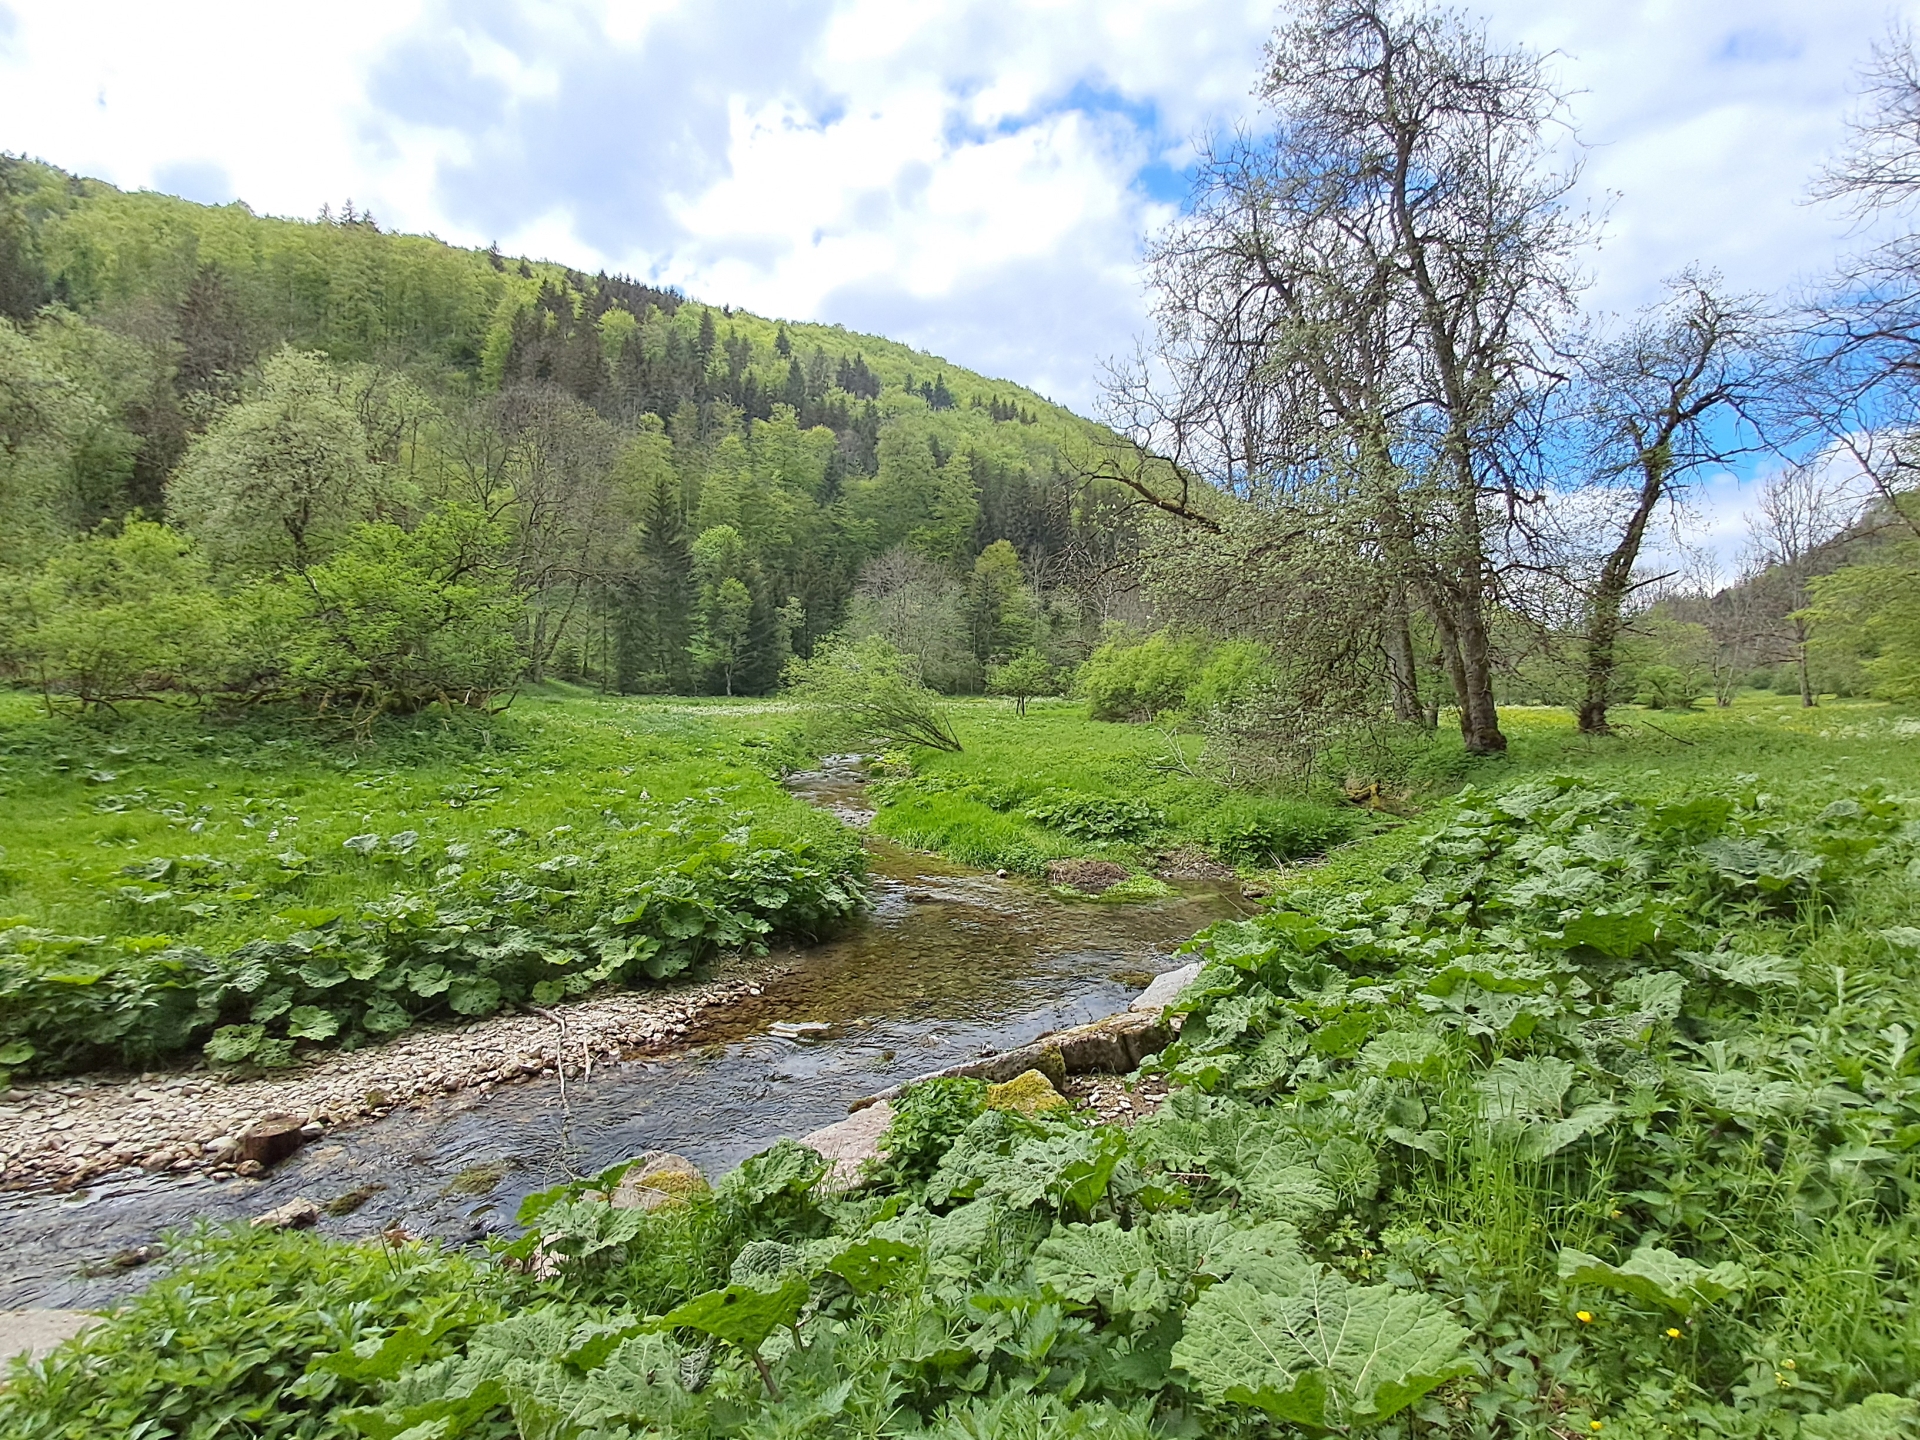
{"points": [[62, 1133]]}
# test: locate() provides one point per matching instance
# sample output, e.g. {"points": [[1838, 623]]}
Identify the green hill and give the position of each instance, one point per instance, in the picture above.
{"points": [[679, 495]]}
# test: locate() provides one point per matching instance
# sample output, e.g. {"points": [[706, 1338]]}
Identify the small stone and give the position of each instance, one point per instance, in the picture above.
{"points": [[298, 1213], [272, 1138], [850, 1143], [1165, 989], [658, 1183], [1028, 1093]]}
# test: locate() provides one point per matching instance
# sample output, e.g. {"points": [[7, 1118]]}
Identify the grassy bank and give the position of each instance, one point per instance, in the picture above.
{"points": [[170, 880], [1053, 784], [1587, 1103]]}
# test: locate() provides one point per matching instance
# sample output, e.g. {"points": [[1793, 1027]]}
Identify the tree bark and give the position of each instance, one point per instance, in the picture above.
{"points": [[1402, 675]]}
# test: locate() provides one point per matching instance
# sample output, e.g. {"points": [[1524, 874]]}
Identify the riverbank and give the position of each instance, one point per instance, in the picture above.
{"points": [[65, 1133]]}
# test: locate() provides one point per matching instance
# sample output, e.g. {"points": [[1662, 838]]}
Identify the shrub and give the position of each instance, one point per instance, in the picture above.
{"points": [[117, 617], [1666, 687], [1255, 830], [865, 692], [1123, 681], [1235, 671]]}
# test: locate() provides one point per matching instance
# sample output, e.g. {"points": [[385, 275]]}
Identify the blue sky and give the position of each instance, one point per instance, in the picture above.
{"points": [[974, 177]]}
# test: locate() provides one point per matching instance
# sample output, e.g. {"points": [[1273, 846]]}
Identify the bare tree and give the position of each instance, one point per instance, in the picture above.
{"points": [[1357, 311], [1860, 389], [1802, 511], [1674, 395]]}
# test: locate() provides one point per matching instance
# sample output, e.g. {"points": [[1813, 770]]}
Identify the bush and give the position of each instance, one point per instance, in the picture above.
{"points": [[865, 692], [1235, 671], [1253, 830], [117, 617], [1124, 681], [224, 1346], [1666, 687], [396, 620]]}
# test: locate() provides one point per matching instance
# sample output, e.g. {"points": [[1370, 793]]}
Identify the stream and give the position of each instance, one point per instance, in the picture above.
{"points": [[950, 964]]}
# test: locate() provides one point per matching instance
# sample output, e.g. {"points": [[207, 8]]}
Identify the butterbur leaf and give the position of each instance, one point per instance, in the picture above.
{"points": [[742, 1315], [1332, 1356], [785, 1168], [362, 844], [1523, 1089], [1402, 1053], [1428, 1142], [474, 995], [1615, 933], [1266, 1256], [233, 1043], [1102, 1265], [310, 1022], [16, 1052], [874, 1263], [1656, 1276], [1878, 1417], [1756, 972], [1655, 993], [1540, 1140]]}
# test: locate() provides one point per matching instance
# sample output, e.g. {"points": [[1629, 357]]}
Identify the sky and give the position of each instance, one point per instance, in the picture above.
{"points": [[974, 177]]}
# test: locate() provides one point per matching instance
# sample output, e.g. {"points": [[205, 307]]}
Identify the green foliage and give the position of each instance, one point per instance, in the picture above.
{"points": [[1233, 672], [277, 482], [1667, 687], [1264, 830], [866, 692], [1332, 1355], [1022, 677], [398, 619], [927, 1119], [1136, 680], [228, 1343], [1055, 784], [118, 616], [1588, 1108], [1094, 817], [1869, 614], [232, 938]]}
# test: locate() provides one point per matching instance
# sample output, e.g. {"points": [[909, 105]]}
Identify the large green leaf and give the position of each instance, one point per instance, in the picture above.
{"points": [[1657, 1276], [1332, 1356], [1878, 1417], [743, 1315], [1119, 1270], [874, 1263]]}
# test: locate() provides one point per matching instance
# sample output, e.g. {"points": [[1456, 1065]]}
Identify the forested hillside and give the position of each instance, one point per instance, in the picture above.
{"points": [[390, 469]]}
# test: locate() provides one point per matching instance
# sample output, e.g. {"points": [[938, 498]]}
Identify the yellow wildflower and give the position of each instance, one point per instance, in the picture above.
{"points": [[1585, 1317], [1594, 1425], [1672, 1334]]}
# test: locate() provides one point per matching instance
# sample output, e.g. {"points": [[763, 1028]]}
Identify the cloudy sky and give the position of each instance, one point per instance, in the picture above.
{"points": [[972, 177]]}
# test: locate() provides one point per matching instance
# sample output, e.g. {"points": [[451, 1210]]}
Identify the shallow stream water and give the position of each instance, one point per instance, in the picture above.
{"points": [[950, 964]]}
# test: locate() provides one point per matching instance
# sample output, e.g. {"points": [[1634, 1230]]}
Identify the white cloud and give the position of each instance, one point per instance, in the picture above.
{"points": [[974, 177]]}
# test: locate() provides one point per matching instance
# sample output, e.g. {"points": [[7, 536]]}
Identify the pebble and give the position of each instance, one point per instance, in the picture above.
{"points": [[67, 1133]]}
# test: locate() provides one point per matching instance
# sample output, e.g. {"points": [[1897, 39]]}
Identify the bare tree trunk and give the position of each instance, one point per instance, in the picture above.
{"points": [[1479, 716], [1403, 677]]}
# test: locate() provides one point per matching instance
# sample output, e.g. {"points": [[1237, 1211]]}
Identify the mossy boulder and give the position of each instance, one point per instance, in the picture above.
{"points": [[659, 1184], [1029, 1093]]}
